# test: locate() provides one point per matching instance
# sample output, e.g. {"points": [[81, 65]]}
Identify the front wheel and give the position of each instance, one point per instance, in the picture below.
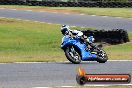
{"points": [[72, 55], [102, 56]]}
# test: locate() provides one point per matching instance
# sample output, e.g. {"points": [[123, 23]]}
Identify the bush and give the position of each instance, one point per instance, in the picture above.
{"points": [[115, 36]]}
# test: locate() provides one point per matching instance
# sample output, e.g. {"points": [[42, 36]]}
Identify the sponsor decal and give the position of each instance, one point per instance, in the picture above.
{"points": [[82, 78]]}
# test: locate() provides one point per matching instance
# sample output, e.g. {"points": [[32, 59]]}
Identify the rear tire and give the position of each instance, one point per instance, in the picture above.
{"points": [[102, 56], [74, 56]]}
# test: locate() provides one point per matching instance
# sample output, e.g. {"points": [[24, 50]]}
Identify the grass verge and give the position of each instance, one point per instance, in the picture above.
{"points": [[115, 12], [26, 41]]}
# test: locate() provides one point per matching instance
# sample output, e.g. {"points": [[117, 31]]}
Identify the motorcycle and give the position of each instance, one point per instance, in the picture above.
{"points": [[77, 51]]}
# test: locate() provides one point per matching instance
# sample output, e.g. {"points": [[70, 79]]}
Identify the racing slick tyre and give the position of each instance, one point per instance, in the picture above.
{"points": [[72, 55], [102, 56]]}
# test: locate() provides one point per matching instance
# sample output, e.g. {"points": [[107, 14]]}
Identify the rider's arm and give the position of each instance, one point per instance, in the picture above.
{"points": [[77, 33]]}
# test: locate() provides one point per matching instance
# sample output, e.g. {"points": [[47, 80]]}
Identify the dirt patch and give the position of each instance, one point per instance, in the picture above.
{"points": [[46, 9], [6, 21], [56, 10], [2, 21]]}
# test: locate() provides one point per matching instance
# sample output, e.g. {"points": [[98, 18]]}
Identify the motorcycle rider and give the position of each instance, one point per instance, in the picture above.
{"points": [[65, 29]]}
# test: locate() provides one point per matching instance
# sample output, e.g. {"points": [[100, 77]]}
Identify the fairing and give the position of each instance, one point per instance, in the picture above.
{"points": [[85, 54]]}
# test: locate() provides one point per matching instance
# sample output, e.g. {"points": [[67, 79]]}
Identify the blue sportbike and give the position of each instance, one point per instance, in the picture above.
{"points": [[77, 50]]}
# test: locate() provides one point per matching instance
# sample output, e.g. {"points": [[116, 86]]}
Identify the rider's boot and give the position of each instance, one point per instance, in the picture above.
{"points": [[88, 48]]}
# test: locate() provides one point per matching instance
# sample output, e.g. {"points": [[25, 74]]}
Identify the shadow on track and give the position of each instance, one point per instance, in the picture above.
{"points": [[86, 62]]}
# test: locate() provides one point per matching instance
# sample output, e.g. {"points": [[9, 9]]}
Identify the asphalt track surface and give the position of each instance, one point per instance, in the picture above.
{"points": [[31, 75], [71, 19]]}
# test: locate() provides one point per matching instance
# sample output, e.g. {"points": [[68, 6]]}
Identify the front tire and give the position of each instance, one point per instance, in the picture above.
{"points": [[72, 55]]}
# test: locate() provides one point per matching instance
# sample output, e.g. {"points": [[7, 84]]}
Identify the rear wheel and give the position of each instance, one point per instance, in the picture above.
{"points": [[72, 55], [102, 56]]}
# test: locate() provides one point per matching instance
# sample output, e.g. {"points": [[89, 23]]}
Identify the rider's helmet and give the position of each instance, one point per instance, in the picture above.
{"points": [[65, 29]]}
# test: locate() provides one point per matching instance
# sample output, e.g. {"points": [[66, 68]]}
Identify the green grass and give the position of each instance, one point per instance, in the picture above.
{"points": [[121, 51], [115, 12], [30, 41]]}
